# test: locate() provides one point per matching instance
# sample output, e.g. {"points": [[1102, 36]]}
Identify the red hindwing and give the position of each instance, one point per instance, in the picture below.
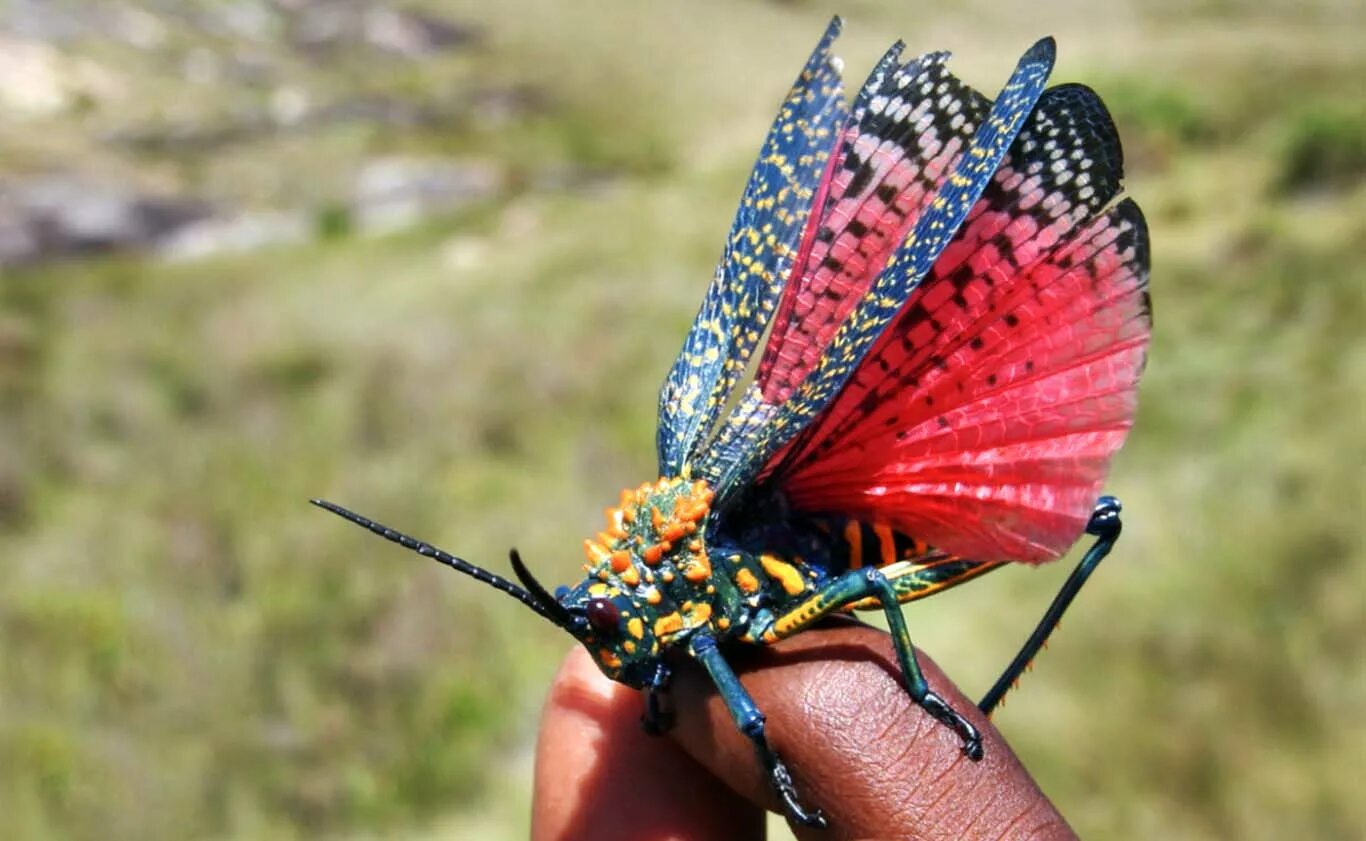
{"points": [[984, 418]]}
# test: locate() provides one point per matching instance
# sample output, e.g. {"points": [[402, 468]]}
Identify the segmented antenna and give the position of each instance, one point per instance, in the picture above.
{"points": [[559, 615], [457, 564]]}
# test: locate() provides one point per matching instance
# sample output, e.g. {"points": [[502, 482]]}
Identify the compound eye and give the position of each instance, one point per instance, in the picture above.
{"points": [[604, 616]]}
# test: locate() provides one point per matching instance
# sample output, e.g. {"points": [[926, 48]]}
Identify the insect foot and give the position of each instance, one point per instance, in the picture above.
{"points": [[1105, 518], [787, 792], [940, 709], [657, 720]]}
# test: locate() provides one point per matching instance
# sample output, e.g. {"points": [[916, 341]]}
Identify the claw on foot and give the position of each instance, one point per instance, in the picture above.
{"points": [[656, 724], [658, 719], [787, 792], [949, 717], [1105, 518]]}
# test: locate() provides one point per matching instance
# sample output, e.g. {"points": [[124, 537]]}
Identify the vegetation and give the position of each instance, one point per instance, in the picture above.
{"points": [[188, 650]]}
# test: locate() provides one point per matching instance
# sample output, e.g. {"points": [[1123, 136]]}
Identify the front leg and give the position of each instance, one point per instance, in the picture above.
{"points": [[751, 723], [657, 720]]}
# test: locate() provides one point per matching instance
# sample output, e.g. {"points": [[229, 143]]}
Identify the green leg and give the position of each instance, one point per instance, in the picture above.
{"points": [[1105, 524], [751, 723], [857, 585]]}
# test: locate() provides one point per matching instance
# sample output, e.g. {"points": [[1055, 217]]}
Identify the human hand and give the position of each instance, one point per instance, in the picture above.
{"points": [[876, 764]]}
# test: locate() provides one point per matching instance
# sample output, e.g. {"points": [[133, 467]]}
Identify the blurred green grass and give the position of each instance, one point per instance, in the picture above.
{"points": [[186, 649]]}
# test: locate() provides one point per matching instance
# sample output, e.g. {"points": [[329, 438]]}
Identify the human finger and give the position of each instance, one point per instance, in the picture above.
{"points": [[599, 776], [859, 748]]}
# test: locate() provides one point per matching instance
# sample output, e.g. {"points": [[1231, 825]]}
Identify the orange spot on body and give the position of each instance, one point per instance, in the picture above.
{"points": [[670, 624], [745, 580], [698, 569], [697, 615], [784, 573], [635, 627], [690, 510]]}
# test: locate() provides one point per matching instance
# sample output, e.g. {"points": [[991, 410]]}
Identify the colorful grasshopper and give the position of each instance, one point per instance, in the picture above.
{"points": [[958, 318]]}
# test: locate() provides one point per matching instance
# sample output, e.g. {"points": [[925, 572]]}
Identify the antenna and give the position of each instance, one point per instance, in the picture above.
{"points": [[558, 617]]}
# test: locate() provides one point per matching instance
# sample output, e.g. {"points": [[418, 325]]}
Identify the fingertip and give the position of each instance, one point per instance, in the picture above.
{"points": [[576, 711], [579, 685], [598, 775]]}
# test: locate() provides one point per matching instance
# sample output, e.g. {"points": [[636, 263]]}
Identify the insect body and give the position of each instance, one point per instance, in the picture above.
{"points": [[957, 316]]}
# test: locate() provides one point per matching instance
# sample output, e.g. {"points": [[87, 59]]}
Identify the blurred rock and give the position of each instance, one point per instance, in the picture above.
{"points": [[63, 215], [291, 109], [37, 80], [390, 193], [235, 234], [252, 20], [49, 21], [491, 107], [464, 252], [189, 138], [324, 28], [414, 34], [290, 105], [56, 216]]}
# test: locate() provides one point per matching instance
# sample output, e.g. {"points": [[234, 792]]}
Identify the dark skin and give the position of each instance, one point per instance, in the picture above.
{"points": [[859, 749]]}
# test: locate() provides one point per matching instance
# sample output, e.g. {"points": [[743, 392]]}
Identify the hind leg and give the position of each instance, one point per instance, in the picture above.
{"points": [[1106, 526]]}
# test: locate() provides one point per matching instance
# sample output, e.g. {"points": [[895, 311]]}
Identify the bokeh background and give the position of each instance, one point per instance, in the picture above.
{"points": [[431, 259]]}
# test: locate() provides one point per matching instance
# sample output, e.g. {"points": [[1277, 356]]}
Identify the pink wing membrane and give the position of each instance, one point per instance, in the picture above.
{"points": [[984, 420]]}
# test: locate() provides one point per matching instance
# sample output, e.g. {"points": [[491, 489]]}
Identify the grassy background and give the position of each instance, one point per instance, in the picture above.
{"points": [[188, 650]]}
